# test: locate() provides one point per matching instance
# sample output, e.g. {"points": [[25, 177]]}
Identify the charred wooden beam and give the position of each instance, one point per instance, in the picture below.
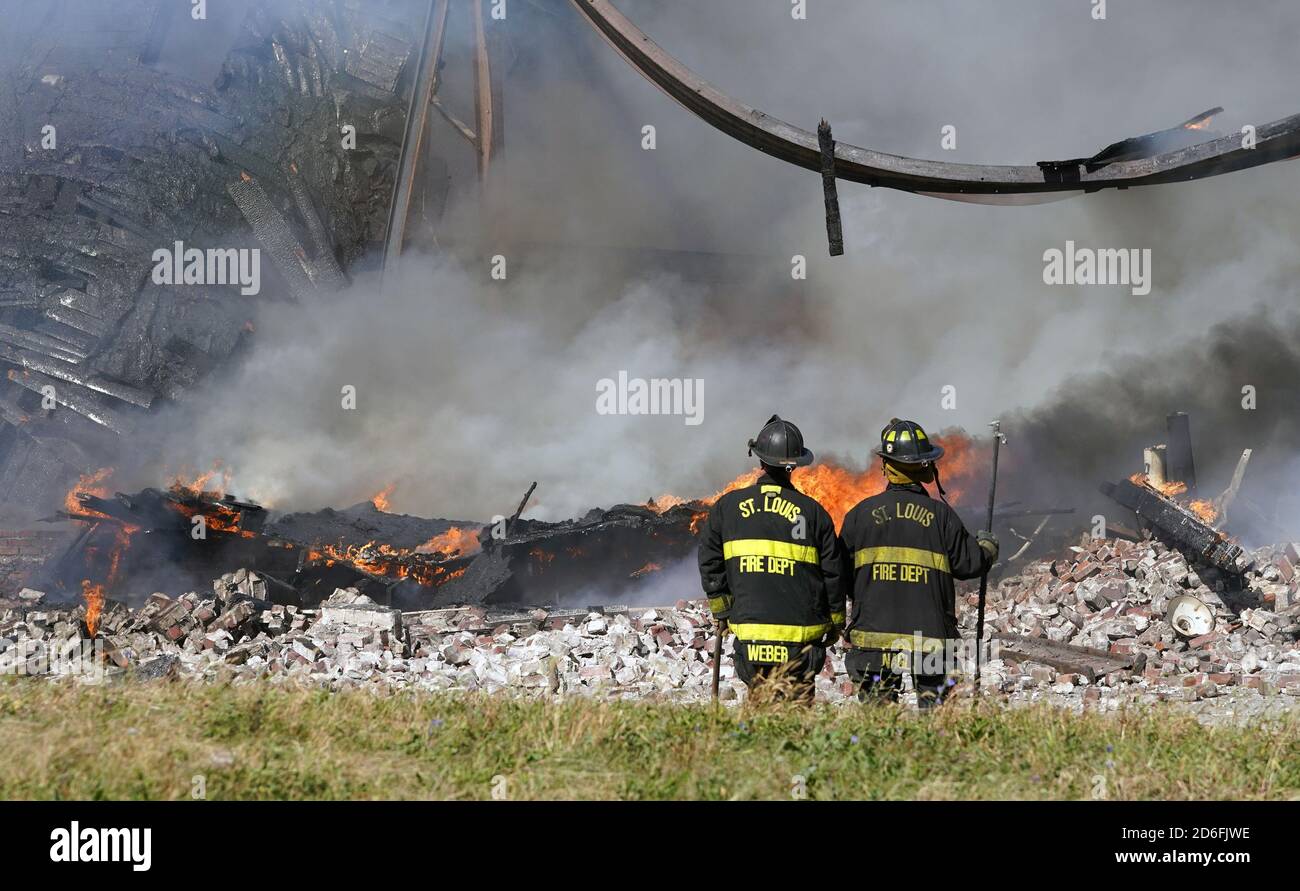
{"points": [[41, 343], [85, 404], [523, 502], [417, 113], [485, 112], [1084, 661], [286, 250], [70, 373], [1180, 526], [325, 264]]}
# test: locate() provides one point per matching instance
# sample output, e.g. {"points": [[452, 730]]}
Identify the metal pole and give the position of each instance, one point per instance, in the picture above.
{"points": [[717, 661], [984, 578]]}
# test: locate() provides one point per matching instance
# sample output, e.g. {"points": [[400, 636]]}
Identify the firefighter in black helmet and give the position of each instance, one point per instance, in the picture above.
{"points": [[771, 567], [902, 550]]}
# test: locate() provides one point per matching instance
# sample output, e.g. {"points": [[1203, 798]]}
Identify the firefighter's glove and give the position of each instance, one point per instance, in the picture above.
{"points": [[988, 543], [830, 637]]}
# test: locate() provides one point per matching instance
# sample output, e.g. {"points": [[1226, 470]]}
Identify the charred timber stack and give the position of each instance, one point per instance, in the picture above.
{"points": [[139, 543], [122, 137]]}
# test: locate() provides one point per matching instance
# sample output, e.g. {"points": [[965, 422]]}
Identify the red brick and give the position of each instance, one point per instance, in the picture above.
{"points": [[1197, 642], [1085, 571], [1223, 678]]}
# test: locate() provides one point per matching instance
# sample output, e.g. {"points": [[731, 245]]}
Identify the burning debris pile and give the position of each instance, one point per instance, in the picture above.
{"points": [[1172, 610], [180, 537], [176, 539]]}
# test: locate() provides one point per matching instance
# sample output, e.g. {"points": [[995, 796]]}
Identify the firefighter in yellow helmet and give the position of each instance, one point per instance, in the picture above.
{"points": [[771, 567], [902, 551]]}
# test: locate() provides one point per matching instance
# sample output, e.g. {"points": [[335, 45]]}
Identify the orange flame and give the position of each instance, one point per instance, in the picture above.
{"points": [[1169, 489], [215, 481], [380, 499], [839, 489], [216, 517], [93, 594], [93, 483], [94, 597], [456, 540], [1204, 510], [385, 560]]}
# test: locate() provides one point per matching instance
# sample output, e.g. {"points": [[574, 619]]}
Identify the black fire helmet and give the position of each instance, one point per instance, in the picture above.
{"points": [[904, 442], [780, 444]]}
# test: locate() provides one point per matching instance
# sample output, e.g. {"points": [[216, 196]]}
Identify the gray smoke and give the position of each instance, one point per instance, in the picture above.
{"points": [[470, 388]]}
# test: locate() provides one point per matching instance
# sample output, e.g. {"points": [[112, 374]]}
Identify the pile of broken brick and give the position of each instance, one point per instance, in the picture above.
{"points": [[1114, 595], [1109, 596]]}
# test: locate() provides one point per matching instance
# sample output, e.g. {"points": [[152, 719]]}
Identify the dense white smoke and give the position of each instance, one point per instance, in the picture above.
{"points": [[469, 388]]}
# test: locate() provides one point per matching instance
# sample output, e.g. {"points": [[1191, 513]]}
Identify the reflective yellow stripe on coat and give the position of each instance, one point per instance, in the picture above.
{"points": [[912, 556], [797, 634], [764, 547], [895, 640]]}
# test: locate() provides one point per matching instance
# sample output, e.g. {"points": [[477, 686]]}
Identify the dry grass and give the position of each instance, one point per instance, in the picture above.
{"points": [[151, 741]]}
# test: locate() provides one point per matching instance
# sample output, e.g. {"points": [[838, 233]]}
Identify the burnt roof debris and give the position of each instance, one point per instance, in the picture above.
{"points": [[161, 141]]}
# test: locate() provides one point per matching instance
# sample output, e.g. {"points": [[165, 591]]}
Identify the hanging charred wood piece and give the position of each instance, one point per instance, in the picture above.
{"points": [[834, 232]]}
